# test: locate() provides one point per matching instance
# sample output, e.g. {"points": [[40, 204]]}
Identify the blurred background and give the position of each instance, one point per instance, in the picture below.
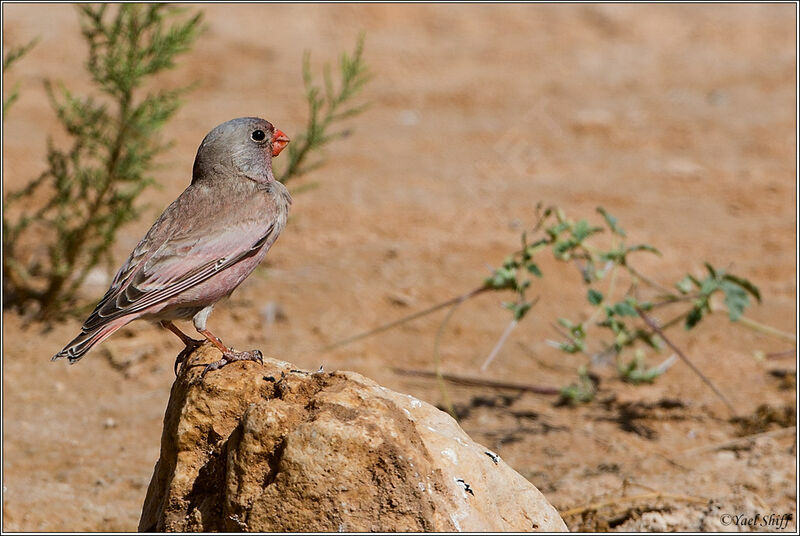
{"points": [[680, 120]]}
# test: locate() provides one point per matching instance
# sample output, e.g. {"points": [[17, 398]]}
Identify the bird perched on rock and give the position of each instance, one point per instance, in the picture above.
{"points": [[203, 245]]}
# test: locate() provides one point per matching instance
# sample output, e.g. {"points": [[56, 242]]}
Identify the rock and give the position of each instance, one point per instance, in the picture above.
{"points": [[271, 448]]}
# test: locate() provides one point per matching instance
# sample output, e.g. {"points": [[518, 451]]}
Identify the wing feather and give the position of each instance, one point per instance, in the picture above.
{"points": [[171, 258], [151, 288]]}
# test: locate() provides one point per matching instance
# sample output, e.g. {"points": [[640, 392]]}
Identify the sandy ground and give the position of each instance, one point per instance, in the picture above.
{"points": [[680, 120]]}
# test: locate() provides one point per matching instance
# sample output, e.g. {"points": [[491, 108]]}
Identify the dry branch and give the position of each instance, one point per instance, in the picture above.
{"points": [[480, 382], [739, 440], [632, 498]]}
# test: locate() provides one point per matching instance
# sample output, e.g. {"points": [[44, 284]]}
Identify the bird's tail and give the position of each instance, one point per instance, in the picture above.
{"points": [[86, 340]]}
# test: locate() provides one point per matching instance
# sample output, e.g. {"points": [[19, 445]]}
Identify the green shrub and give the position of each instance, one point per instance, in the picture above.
{"points": [[74, 209]]}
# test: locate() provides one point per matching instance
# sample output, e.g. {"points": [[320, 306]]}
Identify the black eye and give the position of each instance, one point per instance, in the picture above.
{"points": [[258, 135]]}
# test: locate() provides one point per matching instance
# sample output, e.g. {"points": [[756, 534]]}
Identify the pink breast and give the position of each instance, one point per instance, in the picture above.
{"points": [[222, 284]]}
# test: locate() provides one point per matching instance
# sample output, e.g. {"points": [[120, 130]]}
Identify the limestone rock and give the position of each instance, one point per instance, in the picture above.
{"points": [[270, 448]]}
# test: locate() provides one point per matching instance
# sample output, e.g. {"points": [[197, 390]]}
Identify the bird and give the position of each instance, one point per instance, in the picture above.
{"points": [[203, 245]]}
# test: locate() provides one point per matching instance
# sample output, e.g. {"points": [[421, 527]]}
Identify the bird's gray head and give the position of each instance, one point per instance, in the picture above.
{"points": [[239, 147]]}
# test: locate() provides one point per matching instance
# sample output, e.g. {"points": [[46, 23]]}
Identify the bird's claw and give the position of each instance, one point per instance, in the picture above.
{"points": [[231, 357], [191, 346]]}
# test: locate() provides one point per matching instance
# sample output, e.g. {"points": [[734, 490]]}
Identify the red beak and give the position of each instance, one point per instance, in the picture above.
{"points": [[279, 142]]}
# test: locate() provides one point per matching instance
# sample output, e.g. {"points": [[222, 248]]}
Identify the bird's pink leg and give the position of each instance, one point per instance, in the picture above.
{"points": [[214, 340], [190, 343], [228, 355]]}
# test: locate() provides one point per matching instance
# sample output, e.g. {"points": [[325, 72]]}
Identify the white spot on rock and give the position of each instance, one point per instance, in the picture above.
{"points": [[450, 455], [458, 516]]}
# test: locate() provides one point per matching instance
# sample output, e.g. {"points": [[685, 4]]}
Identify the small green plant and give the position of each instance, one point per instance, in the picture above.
{"points": [[580, 392], [636, 370], [14, 54], [63, 223], [621, 325], [622, 321], [326, 108]]}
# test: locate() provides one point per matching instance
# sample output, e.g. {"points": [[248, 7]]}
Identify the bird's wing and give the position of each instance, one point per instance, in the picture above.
{"points": [[179, 253]]}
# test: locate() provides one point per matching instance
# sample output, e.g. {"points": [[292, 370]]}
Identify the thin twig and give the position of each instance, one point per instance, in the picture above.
{"points": [[666, 364], [654, 326], [781, 355], [672, 300], [754, 325], [612, 285], [437, 359], [500, 343], [480, 382], [668, 324], [768, 330], [636, 273], [545, 365], [790, 430], [404, 320], [674, 320], [632, 498]]}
